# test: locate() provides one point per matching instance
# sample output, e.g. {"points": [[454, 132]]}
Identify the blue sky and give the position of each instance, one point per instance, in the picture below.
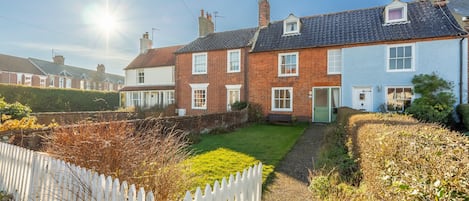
{"points": [[74, 28]]}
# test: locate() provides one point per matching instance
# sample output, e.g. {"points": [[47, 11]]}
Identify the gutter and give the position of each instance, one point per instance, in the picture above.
{"points": [[461, 70]]}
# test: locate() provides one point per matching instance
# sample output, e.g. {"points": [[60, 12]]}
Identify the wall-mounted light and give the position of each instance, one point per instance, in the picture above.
{"points": [[310, 94]]}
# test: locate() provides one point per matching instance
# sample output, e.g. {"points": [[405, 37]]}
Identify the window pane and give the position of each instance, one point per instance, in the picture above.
{"points": [[400, 64], [408, 51], [400, 52], [408, 63], [395, 14], [392, 64], [392, 52]]}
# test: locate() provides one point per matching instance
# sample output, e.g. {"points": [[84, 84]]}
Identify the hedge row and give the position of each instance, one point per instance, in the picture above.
{"points": [[60, 100], [402, 159]]}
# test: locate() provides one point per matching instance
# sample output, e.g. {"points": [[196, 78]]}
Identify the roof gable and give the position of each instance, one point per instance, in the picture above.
{"points": [[17, 64], [156, 57], [359, 26], [220, 40]]}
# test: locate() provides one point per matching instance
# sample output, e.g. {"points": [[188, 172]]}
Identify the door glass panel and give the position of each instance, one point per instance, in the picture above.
{"points": [[321, 105]]}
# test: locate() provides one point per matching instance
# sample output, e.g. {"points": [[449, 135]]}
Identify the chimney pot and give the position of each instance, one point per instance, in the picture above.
{"points": [[440, 3], [206, 25], [202, 13], [145, 43]]}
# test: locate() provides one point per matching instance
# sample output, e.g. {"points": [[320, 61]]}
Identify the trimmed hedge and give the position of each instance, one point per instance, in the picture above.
{"points": [[60, 100], [463, 111], [402, 159]]}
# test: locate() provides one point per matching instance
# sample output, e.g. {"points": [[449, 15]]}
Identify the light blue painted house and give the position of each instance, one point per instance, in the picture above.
{"points": [[413, 38]]}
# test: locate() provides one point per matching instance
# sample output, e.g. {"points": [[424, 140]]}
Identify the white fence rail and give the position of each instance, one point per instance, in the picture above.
{"points": [[29, 175]]}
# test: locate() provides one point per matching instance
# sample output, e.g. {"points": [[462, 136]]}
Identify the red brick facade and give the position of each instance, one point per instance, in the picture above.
{"points": [[312, 68], [217, 77]]}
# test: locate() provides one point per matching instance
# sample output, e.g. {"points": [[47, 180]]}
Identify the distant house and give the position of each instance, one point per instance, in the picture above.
{"points": [[150, 77], [364, 59], [211, 70], [20, 71], [60, 75], [40, 73]]}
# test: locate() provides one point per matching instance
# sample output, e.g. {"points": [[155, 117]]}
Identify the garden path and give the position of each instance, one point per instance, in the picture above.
{"points": [[290, 182]]}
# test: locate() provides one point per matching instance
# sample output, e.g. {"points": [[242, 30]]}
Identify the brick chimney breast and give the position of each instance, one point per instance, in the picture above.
{"points": [[59, 59], [440, 3], [206, 25], [101, 68], [264, 13]]}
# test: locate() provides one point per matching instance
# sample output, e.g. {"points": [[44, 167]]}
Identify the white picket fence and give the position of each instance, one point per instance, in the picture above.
{"points": [[29, 175]]}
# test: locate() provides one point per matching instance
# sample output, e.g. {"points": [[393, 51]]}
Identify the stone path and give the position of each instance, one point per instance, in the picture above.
{"points": [[291, 176]]}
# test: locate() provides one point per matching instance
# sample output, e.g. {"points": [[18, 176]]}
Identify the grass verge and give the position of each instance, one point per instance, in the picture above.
{"points": [[218, 156]]}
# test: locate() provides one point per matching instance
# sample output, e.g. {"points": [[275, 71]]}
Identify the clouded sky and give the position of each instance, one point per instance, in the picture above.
{"points": [[92, 32]]}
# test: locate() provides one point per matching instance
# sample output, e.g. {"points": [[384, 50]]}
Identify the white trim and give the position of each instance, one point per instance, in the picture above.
{"points": [[395, 5], [138, 76], [412, 45], [273, 99], [238, 98], [291, 19], [233, 87], [201, 86], [193, 63], [279, 69], [228, 61], [329, 72]]}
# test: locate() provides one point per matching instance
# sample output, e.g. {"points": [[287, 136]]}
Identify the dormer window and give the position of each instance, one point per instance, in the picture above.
{"points": [[291, 25], [396, 12]]}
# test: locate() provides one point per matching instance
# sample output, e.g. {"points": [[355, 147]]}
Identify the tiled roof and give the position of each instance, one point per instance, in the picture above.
{"points": [[220, 40], [359, 26], [155, 58], [146, 88], [76, 72], [18, 65]]}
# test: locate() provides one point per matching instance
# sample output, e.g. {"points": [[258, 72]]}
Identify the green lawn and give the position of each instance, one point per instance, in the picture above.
{"points": [[218, 156]]}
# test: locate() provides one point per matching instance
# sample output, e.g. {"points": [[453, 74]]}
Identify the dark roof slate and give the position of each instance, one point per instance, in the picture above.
{"points": [[156, 57], [359, 26], [18, 65], [76, 72], [220, 40]]}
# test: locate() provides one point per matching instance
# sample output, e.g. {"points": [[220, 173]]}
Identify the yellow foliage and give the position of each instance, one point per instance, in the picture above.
{"points": [[22, 124]]}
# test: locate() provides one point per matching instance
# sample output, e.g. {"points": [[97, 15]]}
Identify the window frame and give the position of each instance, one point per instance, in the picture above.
{"points": [[291, 19], [228, 61], [197, 87], [140, 74], [388, 57], [329, 61], [273, 99], [396, 5], [398, 87], [297, 66], [194, 55]]}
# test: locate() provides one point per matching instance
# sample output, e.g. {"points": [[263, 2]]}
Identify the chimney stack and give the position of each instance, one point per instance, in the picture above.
{"points": [[205, 24], [101, 68], [264, 13], [145, 43], [59, 59]]}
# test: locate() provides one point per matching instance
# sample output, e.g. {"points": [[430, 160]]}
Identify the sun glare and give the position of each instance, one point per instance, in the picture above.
{"points": [[102, 19], [107, 23]]}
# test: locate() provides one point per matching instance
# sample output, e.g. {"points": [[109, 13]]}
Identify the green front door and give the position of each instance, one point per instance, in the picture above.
{"points": [[325, 103], [321, 105]]}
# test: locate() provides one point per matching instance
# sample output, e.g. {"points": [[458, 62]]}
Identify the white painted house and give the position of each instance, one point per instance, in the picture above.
{"points": [[150, 77]]}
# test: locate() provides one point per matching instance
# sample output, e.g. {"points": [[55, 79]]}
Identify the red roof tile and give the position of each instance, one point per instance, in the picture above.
{"points": [[155, 58]]}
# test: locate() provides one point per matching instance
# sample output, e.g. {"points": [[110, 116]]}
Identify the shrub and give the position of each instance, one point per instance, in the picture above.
{"points": [[15, 110], [402, 159], [436, 101], [60, 100], [4, 196], [238, 105], [146, 154], [255, 113], [463, 111]]}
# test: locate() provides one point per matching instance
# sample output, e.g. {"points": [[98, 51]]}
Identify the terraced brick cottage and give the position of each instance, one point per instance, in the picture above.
{"points": [[364, 59], [150, 77], [211, 70]]}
